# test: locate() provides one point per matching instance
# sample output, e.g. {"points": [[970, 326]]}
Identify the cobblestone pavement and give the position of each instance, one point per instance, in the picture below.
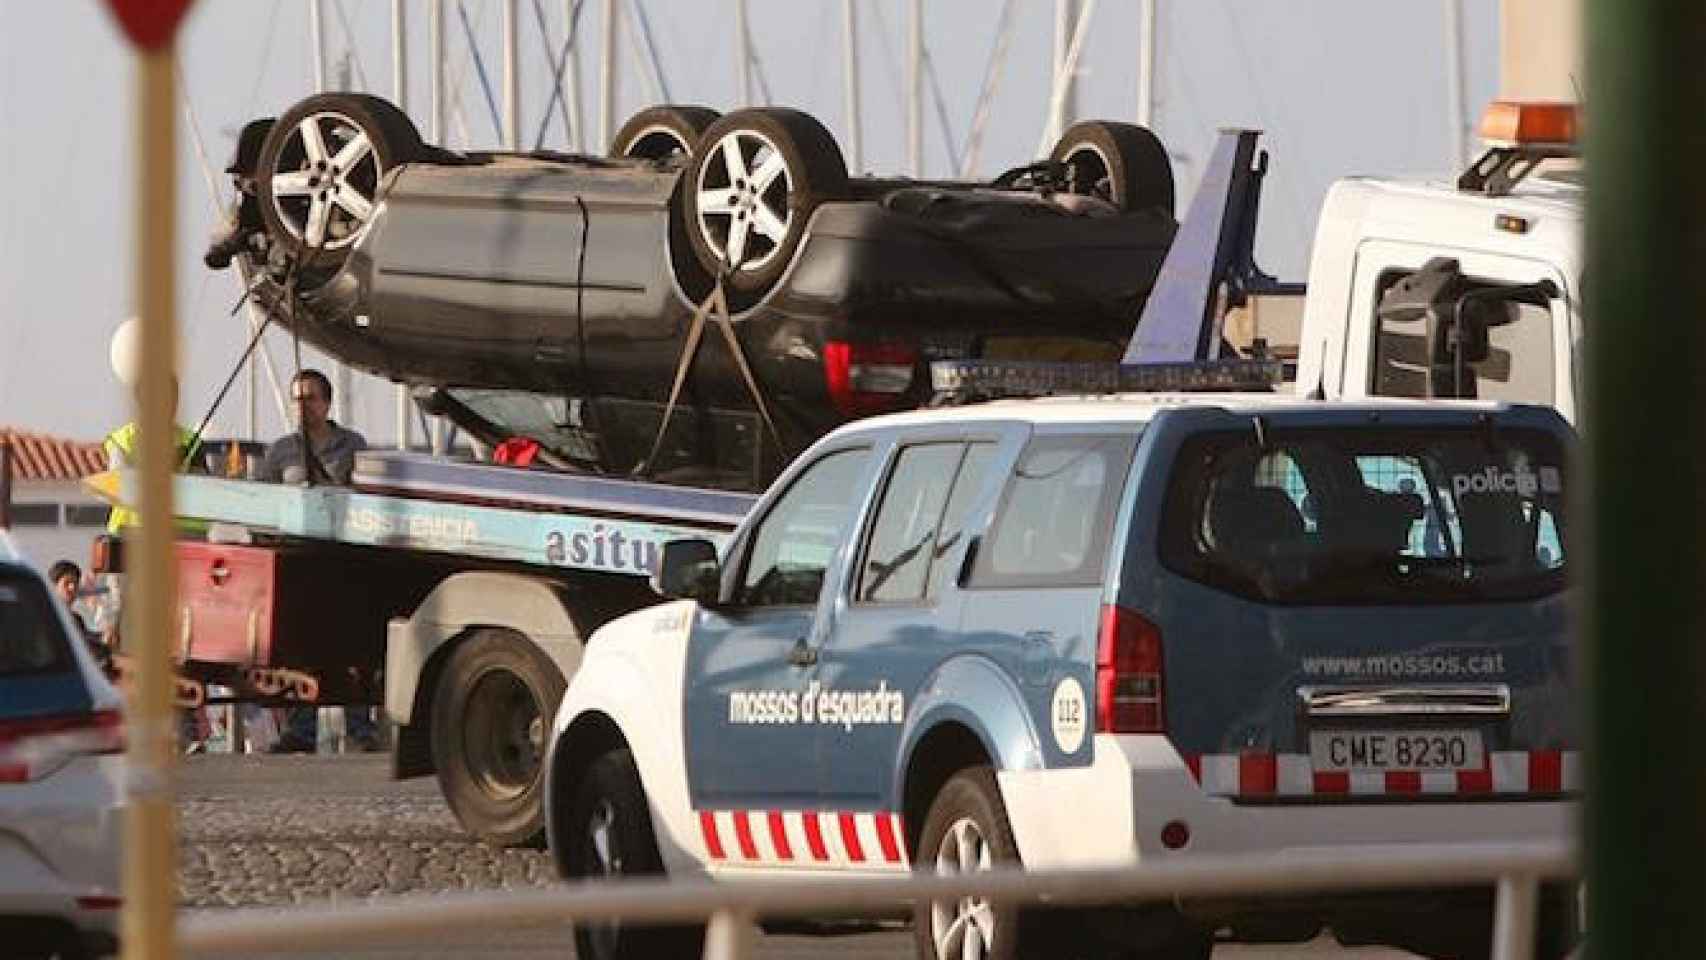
{"points": [[273, 831], [257, 831]]}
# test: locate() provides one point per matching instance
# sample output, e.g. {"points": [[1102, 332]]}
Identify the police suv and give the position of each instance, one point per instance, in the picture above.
{"points": [[1093, 631]]}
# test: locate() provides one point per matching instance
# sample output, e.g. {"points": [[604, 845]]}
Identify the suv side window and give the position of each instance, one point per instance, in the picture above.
{"points": [[921, 519], [793, 545], [1056, 514], [1518, 368]]}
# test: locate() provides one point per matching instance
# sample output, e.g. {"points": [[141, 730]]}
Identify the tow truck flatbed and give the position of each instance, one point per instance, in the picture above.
{"points": [[412, 502]]}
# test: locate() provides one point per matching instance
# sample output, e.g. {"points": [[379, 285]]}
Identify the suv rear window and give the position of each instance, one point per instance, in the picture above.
{"points": [[1347, 516], [1056, 513], [32, 639]]}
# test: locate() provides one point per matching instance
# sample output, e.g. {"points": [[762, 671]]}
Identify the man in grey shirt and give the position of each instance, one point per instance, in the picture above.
{"points": [[333, 446], [333, 461]]}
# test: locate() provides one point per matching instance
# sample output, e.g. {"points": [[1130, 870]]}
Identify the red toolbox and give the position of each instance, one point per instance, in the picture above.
{"points": [[315, 607]]}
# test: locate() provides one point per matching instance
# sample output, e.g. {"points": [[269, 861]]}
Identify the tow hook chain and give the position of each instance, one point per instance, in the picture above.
{"points": [[283, 682], [186, 692]]}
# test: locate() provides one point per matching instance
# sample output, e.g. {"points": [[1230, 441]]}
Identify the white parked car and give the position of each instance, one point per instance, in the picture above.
{"points": [[61, 778]]}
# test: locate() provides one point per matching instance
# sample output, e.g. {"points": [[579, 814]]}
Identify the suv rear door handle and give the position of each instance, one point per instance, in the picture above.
{"points": [[802, 654]]}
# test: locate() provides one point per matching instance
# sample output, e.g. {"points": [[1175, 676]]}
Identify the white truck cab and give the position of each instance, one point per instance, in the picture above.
{"points": [[1470, 289]]}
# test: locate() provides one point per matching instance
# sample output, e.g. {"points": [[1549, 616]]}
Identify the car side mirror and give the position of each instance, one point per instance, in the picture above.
{"points": [[688, 570]]}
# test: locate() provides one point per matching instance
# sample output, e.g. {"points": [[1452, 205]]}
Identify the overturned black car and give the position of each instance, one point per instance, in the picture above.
{"points": [[550, 296]]}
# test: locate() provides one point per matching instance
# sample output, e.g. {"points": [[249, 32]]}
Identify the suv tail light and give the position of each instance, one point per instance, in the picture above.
{"points": [[1128, 674], [867, 378], [34, 747]]}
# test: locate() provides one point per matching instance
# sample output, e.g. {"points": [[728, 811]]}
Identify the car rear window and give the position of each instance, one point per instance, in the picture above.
{"points": [[1370, 515], [32, 639], [1056, 513]]}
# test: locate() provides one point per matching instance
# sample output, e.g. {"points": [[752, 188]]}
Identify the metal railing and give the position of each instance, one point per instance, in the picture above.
{"points": [[1515, 870]]}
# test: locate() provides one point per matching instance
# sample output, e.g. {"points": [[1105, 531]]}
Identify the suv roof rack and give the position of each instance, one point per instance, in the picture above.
{"points": [[956, 382]]}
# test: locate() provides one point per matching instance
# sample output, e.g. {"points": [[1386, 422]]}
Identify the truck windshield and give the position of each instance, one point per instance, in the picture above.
{"points": [[1370, 515]]}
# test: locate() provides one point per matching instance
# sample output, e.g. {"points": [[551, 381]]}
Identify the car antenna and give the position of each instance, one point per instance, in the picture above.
{"points": [[1261, 425]]}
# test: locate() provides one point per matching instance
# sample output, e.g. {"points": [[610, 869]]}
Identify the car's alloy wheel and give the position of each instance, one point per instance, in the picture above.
{"points": [[966, 832], [964, 927], [328, 198], [606, 861], [742, 195], [321, 171], [753, 185]]}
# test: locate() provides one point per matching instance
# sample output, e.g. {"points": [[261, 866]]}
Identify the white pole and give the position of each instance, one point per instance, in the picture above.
{"points": [[400, 94], [317, 42], [640, 38], [986, 94], [1061, 106], [1454, 105], [1146, 64], [743, 55], [1063, 81], [850, 72], [511, 80], [572, 79], [399, 55], [435, 59], [608, 72], [915, 92]]}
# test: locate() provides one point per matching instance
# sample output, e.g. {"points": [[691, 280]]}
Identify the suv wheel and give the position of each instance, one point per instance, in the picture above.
{"points": [[609, 836], [966, 831]]}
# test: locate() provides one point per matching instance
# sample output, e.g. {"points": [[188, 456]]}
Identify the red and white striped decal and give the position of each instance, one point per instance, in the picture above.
{"points": [[804, 838], [1260, 774]]}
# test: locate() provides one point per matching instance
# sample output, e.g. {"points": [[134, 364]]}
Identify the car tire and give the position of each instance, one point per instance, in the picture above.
{"points": [[1123, 163], [311, 204], [756, 223], [490, 713], [967, 825], [609, 835], [658, 133]]}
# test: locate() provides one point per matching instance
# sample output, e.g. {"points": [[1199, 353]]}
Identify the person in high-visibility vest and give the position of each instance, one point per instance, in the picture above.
{"points": [[122, 450]]}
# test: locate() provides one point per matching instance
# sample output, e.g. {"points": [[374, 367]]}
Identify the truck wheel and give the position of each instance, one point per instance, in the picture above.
{"points": [[657, 133], [490, 717], [609, 836], [320, 169], [966, 831], [1122, 163], [751, 188]]}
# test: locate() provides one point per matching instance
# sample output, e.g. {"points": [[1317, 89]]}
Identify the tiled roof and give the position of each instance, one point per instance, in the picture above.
{"points": [[36, 456]]}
